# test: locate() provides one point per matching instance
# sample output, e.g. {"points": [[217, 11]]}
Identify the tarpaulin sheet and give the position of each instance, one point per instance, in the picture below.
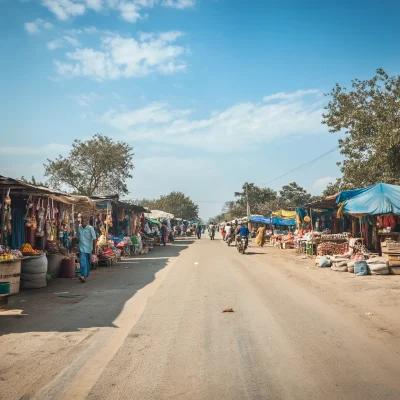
{"points": [[284, 222], [154, 221], [372, 200], [284, 214], [260, 219], [275, 221]]}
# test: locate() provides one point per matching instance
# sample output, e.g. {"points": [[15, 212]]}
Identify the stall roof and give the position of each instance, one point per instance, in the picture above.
{"points": [[22, 187], [285, 214], [378, 199], [157, 214], [134, 207], [19, 187], [326, 204]]}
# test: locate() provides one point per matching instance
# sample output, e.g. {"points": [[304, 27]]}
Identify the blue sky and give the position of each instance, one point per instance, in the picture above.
{"points": [[211, 93]]}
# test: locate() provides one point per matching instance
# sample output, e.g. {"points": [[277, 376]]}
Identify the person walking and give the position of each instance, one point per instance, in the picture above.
{"points": [[164, 233], [87, 244], [198, 231], [260, 239]]}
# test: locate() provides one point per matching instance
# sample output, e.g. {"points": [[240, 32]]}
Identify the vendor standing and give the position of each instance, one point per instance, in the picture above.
{"points": [[87, 243]]}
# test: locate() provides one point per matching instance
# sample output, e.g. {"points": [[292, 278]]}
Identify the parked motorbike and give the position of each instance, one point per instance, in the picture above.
{"points": [[242, 244]]}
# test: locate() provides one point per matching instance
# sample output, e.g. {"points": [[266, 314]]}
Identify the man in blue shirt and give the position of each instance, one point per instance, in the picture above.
{"points": [[244, 232], [87, 243]]}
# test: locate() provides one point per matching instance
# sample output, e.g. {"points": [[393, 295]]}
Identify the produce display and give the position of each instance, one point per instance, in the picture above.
{"points": [[335, 236], [329, 248], [7, 255], [26, 248]]}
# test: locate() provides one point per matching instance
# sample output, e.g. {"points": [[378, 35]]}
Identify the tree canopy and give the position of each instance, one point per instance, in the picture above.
{"points": [[293, 195], [175, 203], [33, 181], [369, 116], [264, 201], [99, 165], [257, 196]]}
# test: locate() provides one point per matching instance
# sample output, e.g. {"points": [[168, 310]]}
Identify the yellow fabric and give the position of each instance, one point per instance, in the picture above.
{"points": [[284, 214], [340, 210], [260, 239]]}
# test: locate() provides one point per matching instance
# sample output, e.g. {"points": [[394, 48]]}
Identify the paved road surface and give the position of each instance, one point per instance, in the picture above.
{"points": [[281, 342]]}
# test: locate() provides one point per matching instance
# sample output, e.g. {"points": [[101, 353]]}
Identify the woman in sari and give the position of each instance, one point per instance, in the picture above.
{"points": [[260, 239]]}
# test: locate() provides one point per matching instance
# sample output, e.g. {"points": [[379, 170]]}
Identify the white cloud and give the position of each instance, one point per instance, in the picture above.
{"points": [[154, 113], [45, 149], [64, 9], [63, 42], [130, 10], [96, 5], [126, 57], [180, 4], [36, 26], [322, 183], [55, 44], [86, 100], [249, 124], [290, 96], [88, 30]]}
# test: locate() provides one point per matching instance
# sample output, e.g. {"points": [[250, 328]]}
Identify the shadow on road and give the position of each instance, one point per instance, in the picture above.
{"points": [[66, 305]]}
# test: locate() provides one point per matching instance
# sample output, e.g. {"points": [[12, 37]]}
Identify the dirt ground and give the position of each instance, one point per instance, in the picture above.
{"points": [[152, 327]]}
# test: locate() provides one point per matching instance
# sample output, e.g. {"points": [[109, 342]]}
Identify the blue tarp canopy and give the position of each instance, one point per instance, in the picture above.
{"points": [[275, 221], [260, 219], [283, 222], [372, 200]]}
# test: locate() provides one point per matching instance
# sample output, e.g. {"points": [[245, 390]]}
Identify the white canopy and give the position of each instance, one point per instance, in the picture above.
{"points": [[157, 214]]}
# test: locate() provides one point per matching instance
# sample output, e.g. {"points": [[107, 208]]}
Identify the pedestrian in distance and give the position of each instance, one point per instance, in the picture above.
{"points": [[198, 231], [87, 244], [164, 234]]}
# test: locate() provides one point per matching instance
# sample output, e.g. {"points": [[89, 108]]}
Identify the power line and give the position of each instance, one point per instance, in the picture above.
{"points": [[281, 176], [301, 166]]}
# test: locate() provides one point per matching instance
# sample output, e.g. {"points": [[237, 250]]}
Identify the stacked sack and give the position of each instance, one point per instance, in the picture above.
{"points": [[339, 263], [378, 266], [351, 263], [323, 261]]}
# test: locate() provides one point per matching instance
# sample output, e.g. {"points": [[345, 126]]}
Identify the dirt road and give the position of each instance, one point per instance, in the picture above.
{"points": [[154, 329]]}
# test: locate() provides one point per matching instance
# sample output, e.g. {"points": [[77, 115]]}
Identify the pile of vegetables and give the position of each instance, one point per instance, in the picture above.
{"points": [[26, 248]]}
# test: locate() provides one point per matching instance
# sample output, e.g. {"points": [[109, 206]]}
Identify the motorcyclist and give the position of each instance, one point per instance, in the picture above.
{"points": [[228, 231], [244, 232]]}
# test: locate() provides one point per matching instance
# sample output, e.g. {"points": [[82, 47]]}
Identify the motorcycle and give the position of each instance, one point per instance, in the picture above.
{"points": [[242, 244], [229, 239]]}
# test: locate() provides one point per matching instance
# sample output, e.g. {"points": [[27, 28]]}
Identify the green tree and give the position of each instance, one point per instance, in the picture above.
{"points": [[33, 181], [293, 195], [97, 166], [257, 197], [369, 116], [332, 188], [174, 203]]}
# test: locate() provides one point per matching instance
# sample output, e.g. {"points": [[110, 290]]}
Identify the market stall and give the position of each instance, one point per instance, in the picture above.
{"points": [[376, 208], [38, 223]]}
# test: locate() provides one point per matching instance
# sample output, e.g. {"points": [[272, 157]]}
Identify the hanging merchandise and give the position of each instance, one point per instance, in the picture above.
{"points": [[48, 221], [27, 217], [7, 199], [33, 217], [41, 211]]}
